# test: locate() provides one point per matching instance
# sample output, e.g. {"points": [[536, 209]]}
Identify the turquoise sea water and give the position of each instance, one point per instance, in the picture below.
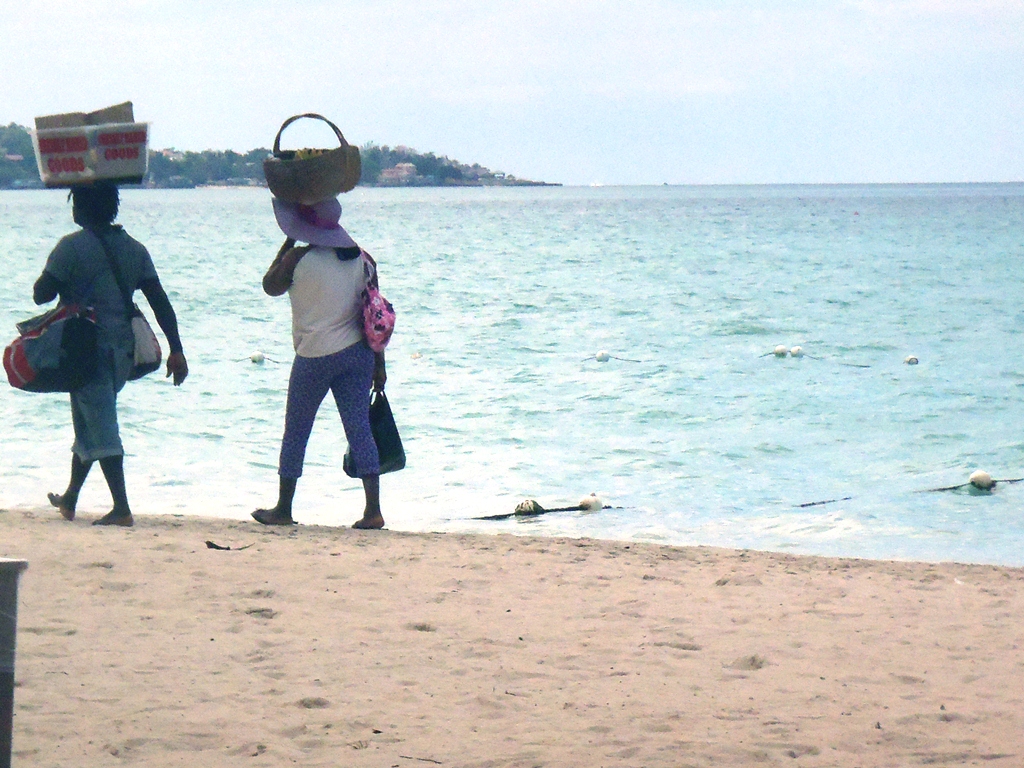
{"points": [[505, 295]]}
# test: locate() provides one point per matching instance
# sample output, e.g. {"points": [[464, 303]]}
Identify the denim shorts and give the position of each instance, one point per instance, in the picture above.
{"points": [[94, 409]]}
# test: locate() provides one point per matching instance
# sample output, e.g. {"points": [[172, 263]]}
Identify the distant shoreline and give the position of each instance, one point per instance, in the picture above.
{"points": [[454, 185], [38, 186], [647, 185], [381, 166]]}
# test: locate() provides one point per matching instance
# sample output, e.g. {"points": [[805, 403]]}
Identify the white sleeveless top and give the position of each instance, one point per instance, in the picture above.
{"points": [[327, 303]]}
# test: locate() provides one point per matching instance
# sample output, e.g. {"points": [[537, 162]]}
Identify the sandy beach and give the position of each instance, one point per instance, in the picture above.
{"points": [[323, 646]]}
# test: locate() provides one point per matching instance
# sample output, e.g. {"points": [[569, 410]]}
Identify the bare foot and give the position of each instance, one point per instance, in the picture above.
{"points": [[370, 522], [123, 519], [67, 510], [272, 517]]}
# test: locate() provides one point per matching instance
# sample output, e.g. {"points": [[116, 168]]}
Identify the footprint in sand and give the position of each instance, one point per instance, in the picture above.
{"points": [[749, 663], [261, 613], [313, 702]]}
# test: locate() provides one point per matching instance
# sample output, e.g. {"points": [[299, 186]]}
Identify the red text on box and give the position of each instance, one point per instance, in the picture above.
{"points": [[60, 145], [70, 164], [117, 138]]}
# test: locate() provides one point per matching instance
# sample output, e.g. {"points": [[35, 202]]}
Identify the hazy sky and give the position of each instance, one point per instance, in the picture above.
{"points": [[576, 91]]}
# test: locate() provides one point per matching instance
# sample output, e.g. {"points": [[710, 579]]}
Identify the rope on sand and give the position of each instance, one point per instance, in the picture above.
{"points": [[212, 545]]}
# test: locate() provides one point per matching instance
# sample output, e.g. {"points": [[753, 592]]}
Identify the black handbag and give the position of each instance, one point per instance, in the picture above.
{"points": [[385, 435]]}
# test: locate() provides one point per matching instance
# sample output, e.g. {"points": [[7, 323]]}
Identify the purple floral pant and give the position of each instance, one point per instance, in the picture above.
{"points": [[348, 374]]}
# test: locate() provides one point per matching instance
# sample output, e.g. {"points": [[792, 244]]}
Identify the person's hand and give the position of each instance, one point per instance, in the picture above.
{"points": [[177, 366], [380, 373]]}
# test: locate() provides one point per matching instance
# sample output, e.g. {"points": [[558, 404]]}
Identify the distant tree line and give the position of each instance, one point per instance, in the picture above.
{"points": [[381, 166], [401, 166], [169, 168], [17, 159]]}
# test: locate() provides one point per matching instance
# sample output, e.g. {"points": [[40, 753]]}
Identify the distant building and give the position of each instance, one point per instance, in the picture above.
{"points": [[172, 154], [400, 174]]}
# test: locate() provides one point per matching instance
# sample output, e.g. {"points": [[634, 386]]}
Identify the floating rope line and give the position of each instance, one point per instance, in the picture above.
{"points": [[603, 357], [983, 483], [782, 350], [257, 358], [822, 503], [530, 508], [979, 479]]}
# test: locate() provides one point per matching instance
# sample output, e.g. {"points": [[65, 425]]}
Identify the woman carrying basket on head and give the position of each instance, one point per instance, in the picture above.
{"points": [[329, 281], [325, 281]]}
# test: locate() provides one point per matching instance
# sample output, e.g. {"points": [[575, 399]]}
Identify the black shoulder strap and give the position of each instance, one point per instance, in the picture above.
{"points": [[129, 305], [370, 270]]}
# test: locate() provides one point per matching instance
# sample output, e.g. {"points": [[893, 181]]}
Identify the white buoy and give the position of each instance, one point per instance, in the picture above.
{"points": [[910, 360], [981, 480], [257, 357], [602, 356], [591, 503], [781, 351], [797, 352]]}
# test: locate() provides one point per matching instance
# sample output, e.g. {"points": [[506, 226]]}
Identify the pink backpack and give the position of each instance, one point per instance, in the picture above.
{"points": [[378, 314]]}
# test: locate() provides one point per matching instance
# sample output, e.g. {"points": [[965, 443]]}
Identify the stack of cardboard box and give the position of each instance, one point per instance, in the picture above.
{"points": [[79, 148]]}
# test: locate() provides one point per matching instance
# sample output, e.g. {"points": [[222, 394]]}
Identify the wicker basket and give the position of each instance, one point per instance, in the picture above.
{"points": [[310, 180]]}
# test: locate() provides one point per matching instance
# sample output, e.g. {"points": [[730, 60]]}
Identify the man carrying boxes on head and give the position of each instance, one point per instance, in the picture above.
{"points": [[101, 266]]}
